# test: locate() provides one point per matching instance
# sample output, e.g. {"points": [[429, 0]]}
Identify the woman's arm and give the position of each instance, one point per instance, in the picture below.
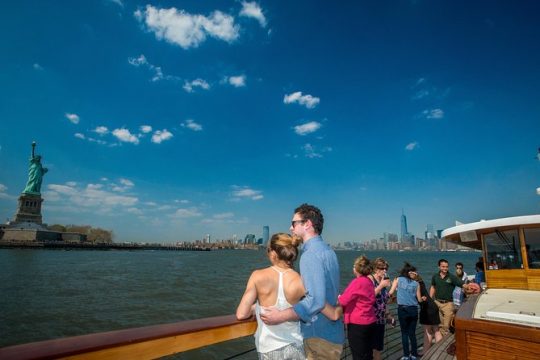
{"points": [[384, 283], [418, 294], [245, 308], [394, 287]]}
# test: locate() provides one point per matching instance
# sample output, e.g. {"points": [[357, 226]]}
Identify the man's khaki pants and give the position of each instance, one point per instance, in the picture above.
{"points": [[446, 313], [317, 348]]}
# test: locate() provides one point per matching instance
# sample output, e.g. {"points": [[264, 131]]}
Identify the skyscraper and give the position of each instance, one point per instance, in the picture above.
{"points": [[404, 231], [265, 235]]}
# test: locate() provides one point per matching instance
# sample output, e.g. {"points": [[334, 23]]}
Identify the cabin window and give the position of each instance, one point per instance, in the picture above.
{"points": [[532, 245], [503, 250]]}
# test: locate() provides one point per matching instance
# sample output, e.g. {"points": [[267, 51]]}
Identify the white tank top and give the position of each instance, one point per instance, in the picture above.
{"points": [[273, 337]]}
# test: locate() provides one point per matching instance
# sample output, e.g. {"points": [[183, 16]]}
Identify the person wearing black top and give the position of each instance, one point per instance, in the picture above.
{"points": [[429, 316]]}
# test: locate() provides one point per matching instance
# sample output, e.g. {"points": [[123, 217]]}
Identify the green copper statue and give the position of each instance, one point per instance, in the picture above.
{"points": [[35, 174]]}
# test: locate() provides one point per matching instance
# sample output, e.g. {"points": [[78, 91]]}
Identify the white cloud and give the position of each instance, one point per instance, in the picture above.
{"points": [[312, 152], [411, 146], [433, 113], [4, 195], [80, 136], [89, 186], [3, 188], [134, 211], [188, 30], [38, 67], [92, 198], [74, 118], [98, 141], [420, 94], [307, 100], [158, 73], [237, 81], [309, 151], [253, 10], [63, 189], [419, 82], [118, 2], [141, 60], [186, 213], [538, 190], [125, 136], [161, 135], [146, 129], [101, 130], [190, 124], [189, 85], [246, 193], [307, 128], [226, 215], [127, 182]]}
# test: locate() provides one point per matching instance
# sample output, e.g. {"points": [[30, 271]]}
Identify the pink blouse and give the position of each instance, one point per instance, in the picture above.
{"points": [[358, 301]]}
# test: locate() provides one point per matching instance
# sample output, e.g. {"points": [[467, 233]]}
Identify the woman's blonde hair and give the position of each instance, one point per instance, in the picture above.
{"points": [[379, 263], [363, 266], [285, 247]]}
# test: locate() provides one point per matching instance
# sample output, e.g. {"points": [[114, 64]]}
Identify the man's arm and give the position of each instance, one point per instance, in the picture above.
{"points": [[313, 277], [273, 316], [432, 292], [332, 312]]}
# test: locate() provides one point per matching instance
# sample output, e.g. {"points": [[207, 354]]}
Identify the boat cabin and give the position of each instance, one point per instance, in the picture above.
{"points": [[503, 321]]}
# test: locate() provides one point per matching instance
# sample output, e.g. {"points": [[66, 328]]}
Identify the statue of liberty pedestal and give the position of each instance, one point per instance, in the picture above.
{"points": [[29, 207], [35, 174]]}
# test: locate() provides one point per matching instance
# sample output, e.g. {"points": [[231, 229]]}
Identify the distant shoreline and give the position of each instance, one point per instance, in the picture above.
{"points": [[113, 246]]}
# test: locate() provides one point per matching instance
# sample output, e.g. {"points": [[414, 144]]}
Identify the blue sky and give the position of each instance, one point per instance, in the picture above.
{"points": [[169, 120]]}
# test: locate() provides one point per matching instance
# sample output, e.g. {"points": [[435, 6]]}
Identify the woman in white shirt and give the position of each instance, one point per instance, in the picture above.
{"points": [[280, 286]]}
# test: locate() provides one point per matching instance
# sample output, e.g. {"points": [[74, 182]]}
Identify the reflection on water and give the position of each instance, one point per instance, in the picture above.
{"points": [[47, 294]]}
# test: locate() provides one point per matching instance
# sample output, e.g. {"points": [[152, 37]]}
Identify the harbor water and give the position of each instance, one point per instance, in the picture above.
{"points": [[46, 294]]}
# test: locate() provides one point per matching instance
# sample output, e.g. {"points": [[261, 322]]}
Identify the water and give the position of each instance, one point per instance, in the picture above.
{"points": [[46, 294]]}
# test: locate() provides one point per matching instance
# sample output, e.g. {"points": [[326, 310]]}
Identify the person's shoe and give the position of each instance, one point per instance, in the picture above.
{"points": [[412, 357], [404, 358]]}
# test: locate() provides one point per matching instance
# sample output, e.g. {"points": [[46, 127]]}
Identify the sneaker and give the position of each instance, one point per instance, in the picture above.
{"points": [[404, 358], [412, 357]]}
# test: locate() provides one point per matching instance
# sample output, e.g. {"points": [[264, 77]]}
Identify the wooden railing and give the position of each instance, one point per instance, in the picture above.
{"points": [[148, 342], [156, 341]]}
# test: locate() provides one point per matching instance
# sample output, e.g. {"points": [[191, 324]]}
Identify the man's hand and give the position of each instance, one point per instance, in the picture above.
{"points": [[271, 315]]}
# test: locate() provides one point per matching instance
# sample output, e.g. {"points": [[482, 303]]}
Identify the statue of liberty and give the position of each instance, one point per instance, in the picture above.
{"points": [[35, 174]]}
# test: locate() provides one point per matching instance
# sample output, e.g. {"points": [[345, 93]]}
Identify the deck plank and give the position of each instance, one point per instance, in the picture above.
{"points": [[438, 350]]}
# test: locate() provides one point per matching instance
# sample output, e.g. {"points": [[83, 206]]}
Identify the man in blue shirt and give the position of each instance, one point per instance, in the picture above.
{"points": [[323, 338]]}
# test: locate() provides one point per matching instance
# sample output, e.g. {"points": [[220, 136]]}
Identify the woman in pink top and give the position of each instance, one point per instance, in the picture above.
{"points": [[358, 303]]}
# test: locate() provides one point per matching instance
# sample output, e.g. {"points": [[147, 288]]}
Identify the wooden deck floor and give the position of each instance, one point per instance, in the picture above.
{"points": [[439, 351]]}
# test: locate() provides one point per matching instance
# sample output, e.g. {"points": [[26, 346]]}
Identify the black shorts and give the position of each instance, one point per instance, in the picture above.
{"points": [[378, 337]]}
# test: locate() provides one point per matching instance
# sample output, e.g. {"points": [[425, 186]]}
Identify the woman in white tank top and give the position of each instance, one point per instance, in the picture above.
{"points": [[279, 286]]}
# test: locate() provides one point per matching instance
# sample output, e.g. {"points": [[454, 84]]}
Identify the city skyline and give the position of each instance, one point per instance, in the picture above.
{"points": [[172, 120]]}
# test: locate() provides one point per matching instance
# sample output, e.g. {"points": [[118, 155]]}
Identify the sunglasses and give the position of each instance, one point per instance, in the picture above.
{"points": [[294, 222]]}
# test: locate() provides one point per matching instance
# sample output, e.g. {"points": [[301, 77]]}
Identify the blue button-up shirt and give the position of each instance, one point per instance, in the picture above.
{"points": [[320, 273]]}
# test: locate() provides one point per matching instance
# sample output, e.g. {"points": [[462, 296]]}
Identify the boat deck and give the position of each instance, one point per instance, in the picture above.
{"points": [[443, 350]]}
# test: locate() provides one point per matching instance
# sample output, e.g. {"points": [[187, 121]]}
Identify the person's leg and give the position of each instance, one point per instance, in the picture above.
{"points": [[317, 348], [361, 341], [378, 341], [403, 327], [428, 336], [448, 314], [437, 333], [413, 320]]}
